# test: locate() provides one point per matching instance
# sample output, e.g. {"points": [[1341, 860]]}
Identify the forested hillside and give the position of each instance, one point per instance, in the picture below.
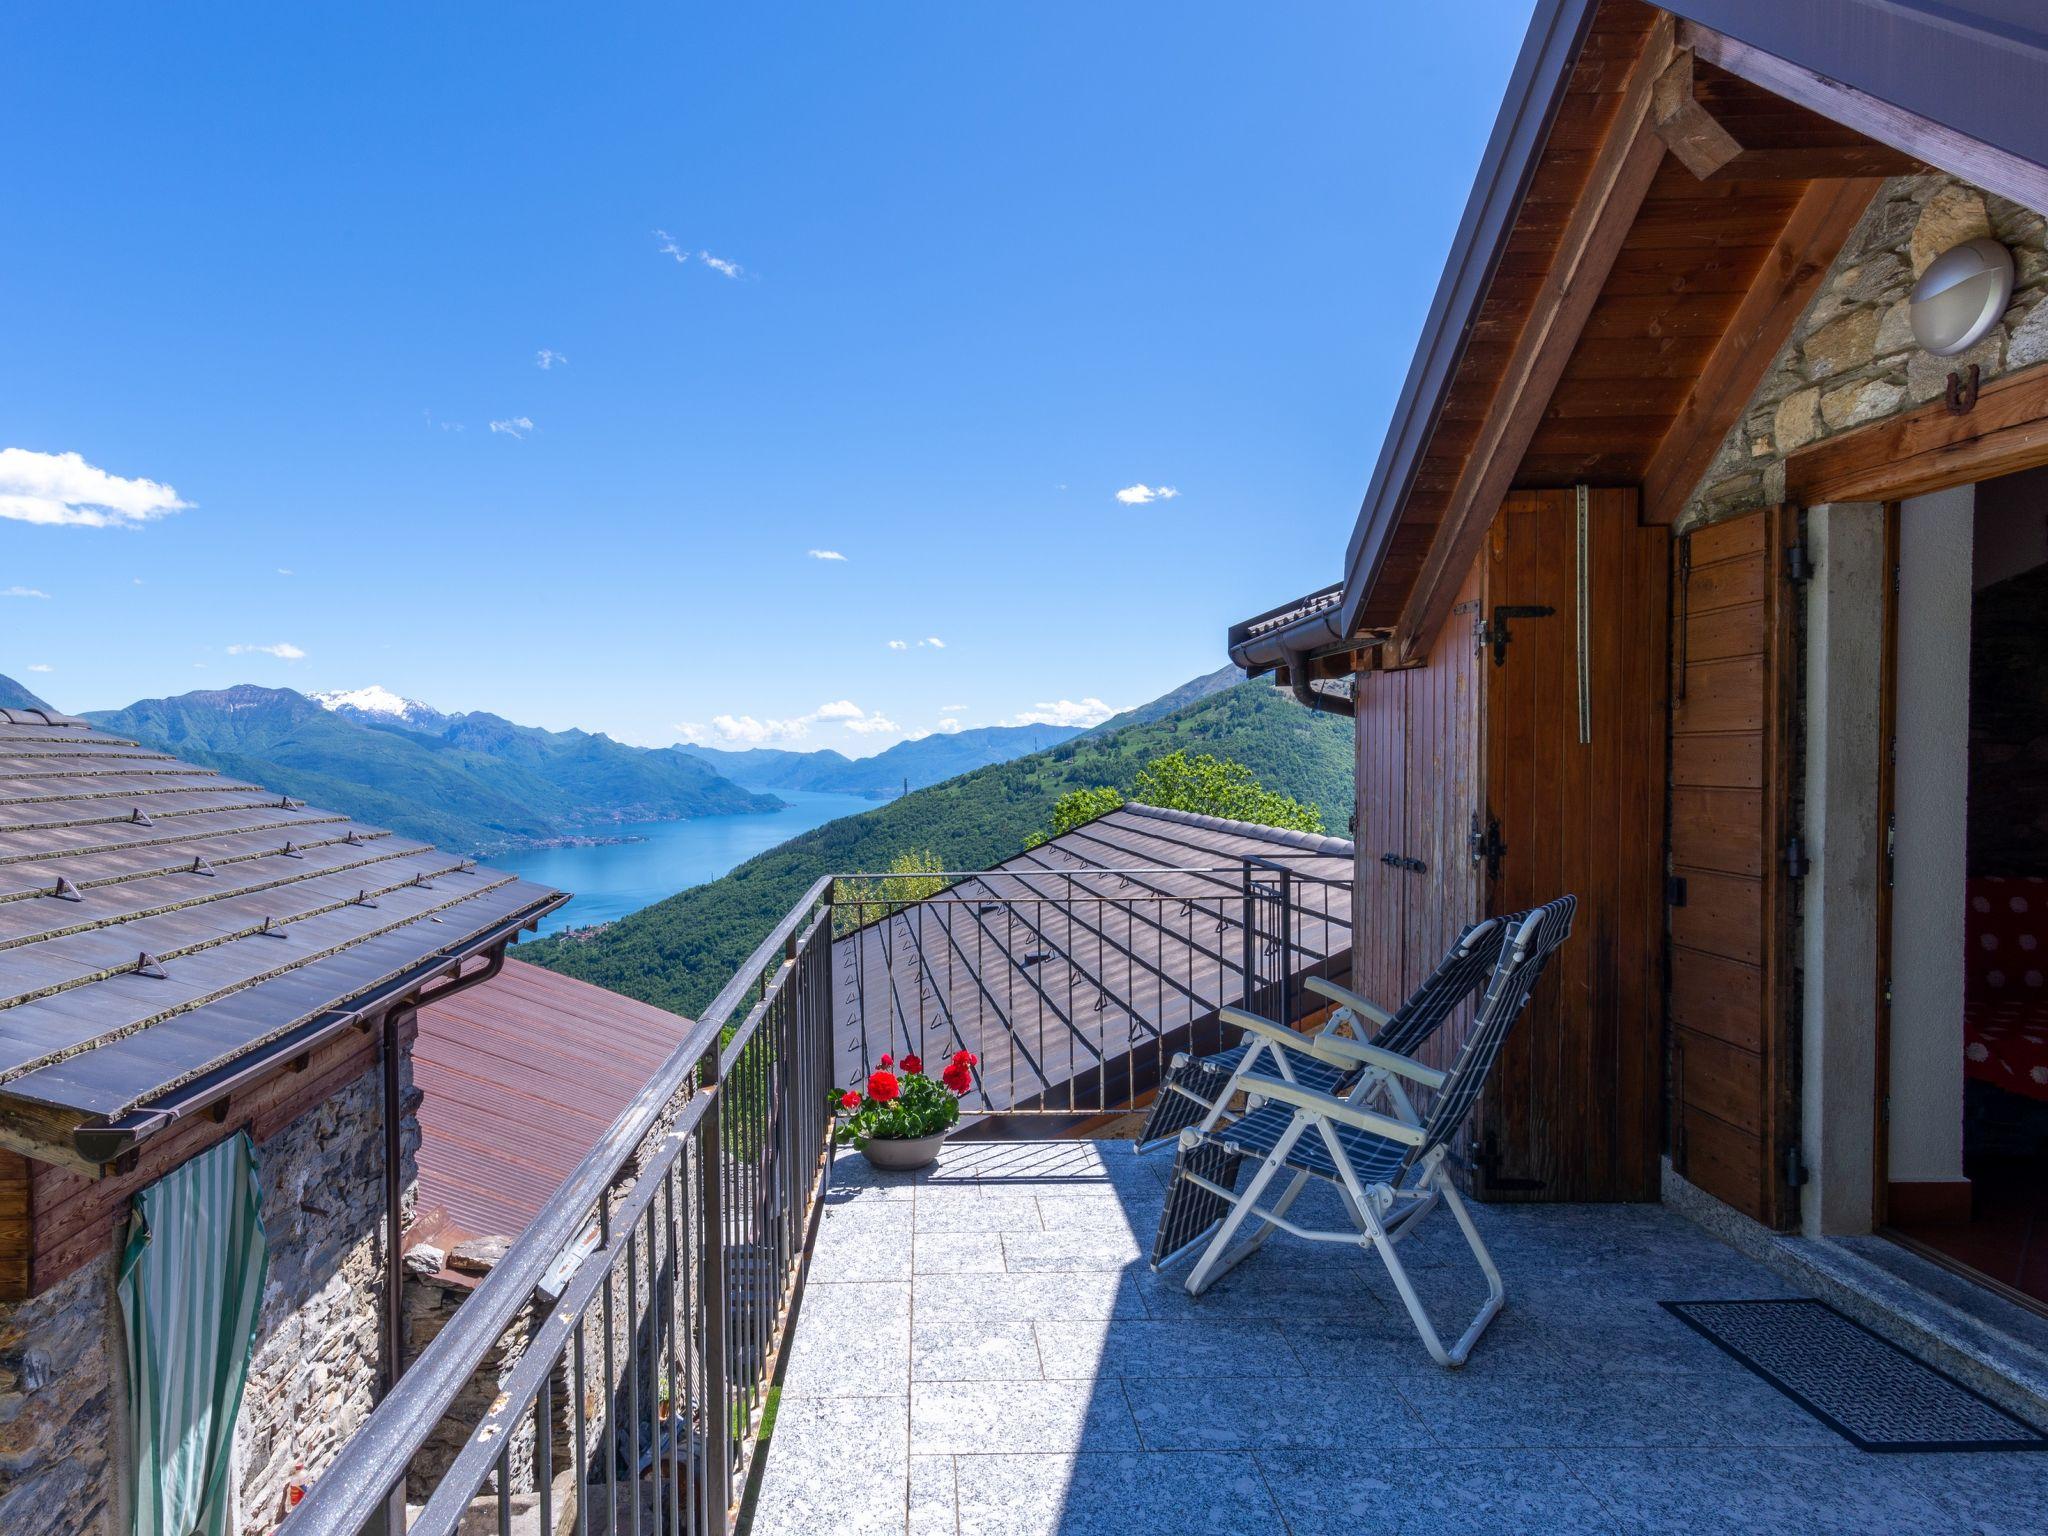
{"points": [[678, 952]]}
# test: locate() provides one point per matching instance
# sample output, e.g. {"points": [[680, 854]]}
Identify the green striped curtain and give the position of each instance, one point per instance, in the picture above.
{"points": [[191, 1280]]}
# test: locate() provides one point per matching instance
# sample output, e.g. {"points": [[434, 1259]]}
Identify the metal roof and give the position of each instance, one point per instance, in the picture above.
{"points": [[1076, 969], [520, 1077], [161, 923], [1977, 67]]}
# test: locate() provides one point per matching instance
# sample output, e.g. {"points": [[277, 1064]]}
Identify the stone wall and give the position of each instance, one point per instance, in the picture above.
{"points": [[1851, 358], [314, 1372]]}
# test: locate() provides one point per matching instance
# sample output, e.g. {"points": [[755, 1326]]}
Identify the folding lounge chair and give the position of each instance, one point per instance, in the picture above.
{"points": [[1389, 1171], [1198, 1090]]}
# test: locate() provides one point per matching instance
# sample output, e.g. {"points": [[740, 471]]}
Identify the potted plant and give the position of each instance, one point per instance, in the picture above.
{"points": [[902, 1118]]}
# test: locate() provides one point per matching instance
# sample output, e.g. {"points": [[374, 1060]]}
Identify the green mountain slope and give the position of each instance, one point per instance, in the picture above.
{"points": [[14, 696], [678, 952], [474, 790], [1192, 692], [928, 760]]}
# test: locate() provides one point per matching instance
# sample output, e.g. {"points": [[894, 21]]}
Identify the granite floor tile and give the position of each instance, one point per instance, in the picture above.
{"points": [[1101, 1214], [997, 1417], [1460, 1493], [1111, 1293], [1259, 1289], [1114, 1494], [838, 1464], [1820, 1492], [1134, 1347], [852, 1340], [958, 1253], [1175, 1414], [941, 1215], [1069, 1251], [854, 1181], [1988, 1493], [932, 1508], [863, 1242], [973, 1349]]}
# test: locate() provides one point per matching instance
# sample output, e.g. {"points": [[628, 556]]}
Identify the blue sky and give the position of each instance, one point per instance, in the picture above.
{"points": [[924, 286]]}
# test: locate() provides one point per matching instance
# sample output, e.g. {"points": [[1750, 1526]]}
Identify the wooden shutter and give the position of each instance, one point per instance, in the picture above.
{"points": [[1380, 890], [1733, 1084]]}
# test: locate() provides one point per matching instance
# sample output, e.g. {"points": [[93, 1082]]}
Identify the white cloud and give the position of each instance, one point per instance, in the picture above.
{"points": [[1140, 494], [934, 642], [61, 490], [517, 426], [824, 554], [285, 570], [666, 244], [284, 650], [951, 709], [948, 726], [720, 265], [547, 357], [1067, 712], [40, 666], [749, 730], [899, 645], [24, 592]]}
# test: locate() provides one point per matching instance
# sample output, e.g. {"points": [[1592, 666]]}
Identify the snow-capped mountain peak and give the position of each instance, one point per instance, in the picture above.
{"points": [[378, 703]]}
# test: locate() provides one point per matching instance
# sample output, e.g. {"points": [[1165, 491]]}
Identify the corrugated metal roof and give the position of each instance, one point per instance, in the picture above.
{"points": [[519, 1077], [1077, 968], [159, 922]]}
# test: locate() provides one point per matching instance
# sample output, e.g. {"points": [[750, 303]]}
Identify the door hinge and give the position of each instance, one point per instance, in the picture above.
{"points": [[1674, 891], [1795, 1166], [1891, 848], [1499, 635], [1402, 861], [1486, 845], [1795, 857], [1798, 563]]}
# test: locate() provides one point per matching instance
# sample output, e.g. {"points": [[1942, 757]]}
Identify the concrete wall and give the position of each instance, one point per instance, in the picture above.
{"points": [[1838, 937], [1931, 795]]}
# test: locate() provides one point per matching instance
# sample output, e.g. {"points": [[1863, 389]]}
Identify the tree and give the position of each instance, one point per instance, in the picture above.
{"points": [[1078, 807], [912, 876], [1216, 786]]}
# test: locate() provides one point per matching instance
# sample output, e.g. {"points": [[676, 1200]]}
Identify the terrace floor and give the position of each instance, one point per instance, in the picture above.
{"points": [[983, 1349]]}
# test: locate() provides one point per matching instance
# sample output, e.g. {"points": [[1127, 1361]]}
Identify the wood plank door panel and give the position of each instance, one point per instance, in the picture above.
{"points": [[1379, 891], [1574, 1111], [1733, 1103]]}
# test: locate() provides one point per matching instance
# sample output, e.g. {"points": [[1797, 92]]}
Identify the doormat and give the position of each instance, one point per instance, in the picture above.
{"points": [[1862, 1386]]}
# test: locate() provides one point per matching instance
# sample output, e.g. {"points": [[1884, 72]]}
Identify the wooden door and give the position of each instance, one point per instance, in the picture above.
{"points": [[1379, 889], [1734, 1100], [1574, 774]]}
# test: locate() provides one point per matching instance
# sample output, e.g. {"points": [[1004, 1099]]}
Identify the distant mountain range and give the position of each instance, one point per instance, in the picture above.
{"points": [[475, 782], [678, 952], [478, 783], [909, 764]]}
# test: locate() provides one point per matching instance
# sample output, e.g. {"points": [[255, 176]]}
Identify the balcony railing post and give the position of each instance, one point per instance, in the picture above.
{"points": [[717, 1389]]}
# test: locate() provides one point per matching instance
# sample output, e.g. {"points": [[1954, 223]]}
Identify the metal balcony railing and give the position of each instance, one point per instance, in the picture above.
{"points": [[635, 1328]]}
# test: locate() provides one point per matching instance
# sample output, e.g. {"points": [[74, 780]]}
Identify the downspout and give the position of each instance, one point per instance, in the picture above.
{"points": [[1322, 703]]}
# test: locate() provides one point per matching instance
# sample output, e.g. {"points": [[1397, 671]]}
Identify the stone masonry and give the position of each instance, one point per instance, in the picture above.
{"points": [[1851, 358], [314, 1372]]}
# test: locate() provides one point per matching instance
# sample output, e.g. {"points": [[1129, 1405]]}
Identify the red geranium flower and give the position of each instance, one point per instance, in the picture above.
{"points": [[888, 1061], [966, 1059], [913, 1063], [849, 1100], [883, 1086], [958, 1078]]}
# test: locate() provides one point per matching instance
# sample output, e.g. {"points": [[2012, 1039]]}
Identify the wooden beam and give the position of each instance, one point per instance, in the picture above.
{"points": [[1929, 449], [1720, 126], [17, 1227], [1995, 170], [1791, 273], [1600, 218]]}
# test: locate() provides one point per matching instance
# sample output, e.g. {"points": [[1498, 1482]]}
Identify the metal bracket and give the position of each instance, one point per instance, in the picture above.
{"points": [[1960, 393], [1499, 635]]}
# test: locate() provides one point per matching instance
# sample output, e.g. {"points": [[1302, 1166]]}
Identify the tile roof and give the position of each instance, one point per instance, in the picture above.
{"points": [[520, 1076], [160, 922], [1063, 974]]}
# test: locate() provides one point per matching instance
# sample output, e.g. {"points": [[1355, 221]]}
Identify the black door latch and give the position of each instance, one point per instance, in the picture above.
{"points": [[1499, 635]]}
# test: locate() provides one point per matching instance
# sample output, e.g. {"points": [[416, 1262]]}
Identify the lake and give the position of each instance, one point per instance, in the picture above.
{"points": [[612, 879]]}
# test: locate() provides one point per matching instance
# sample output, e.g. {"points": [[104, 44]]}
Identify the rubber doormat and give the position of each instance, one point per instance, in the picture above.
{"points": [[1862, 1386]]}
